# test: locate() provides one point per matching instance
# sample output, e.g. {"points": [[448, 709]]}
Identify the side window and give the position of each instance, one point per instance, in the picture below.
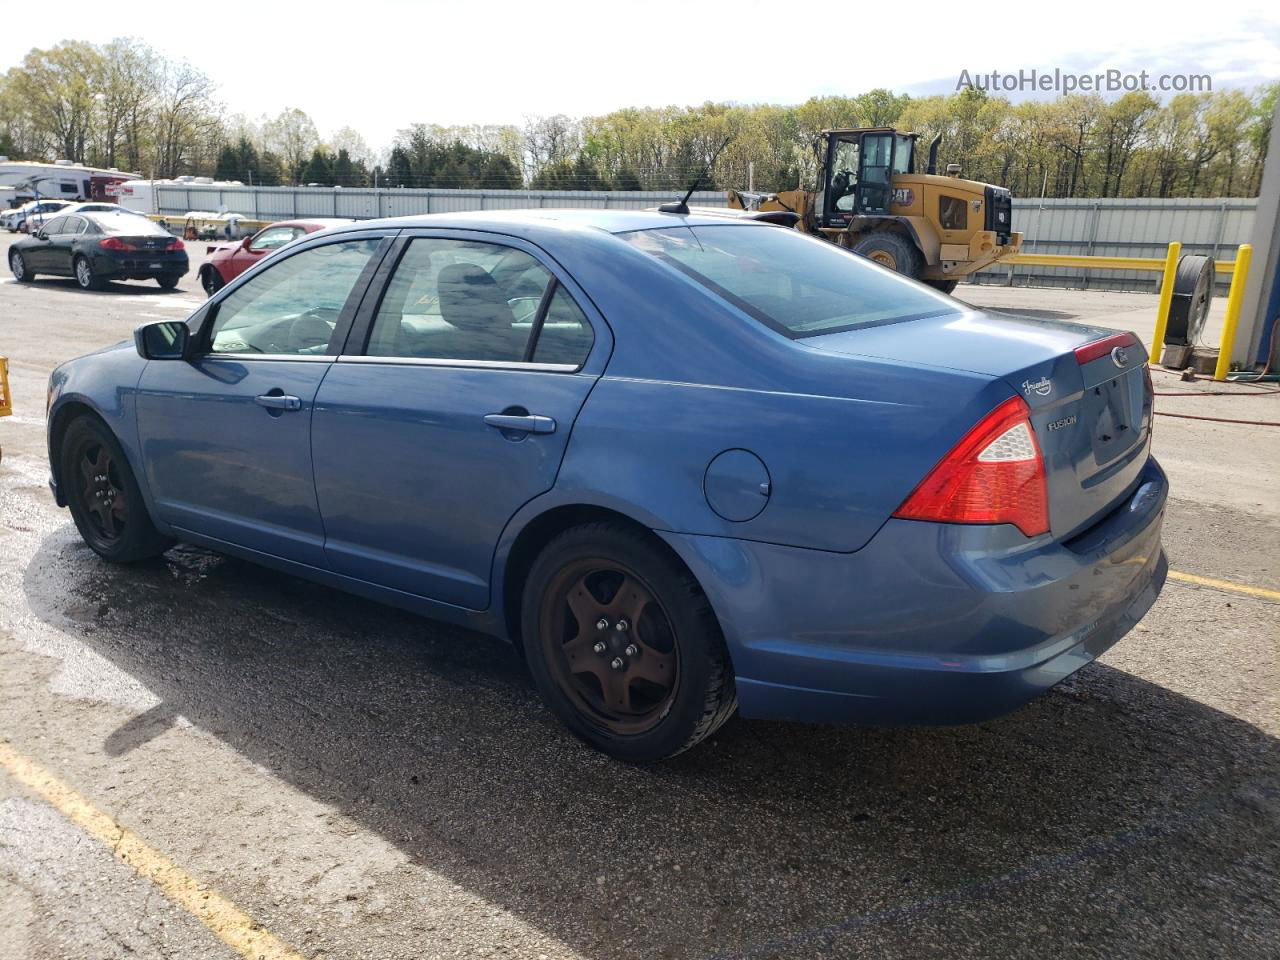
{"points": [[293, 306], [273, 238], [55, 226], [566, 335], [73, 225], [459, 300], [953, 213]]}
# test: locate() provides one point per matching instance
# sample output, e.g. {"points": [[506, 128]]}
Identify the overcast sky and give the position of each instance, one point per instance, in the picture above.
{"points": [[379, 65]]}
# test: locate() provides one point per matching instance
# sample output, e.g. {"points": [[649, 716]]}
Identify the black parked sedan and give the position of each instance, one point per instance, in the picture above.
{"points": [[97, 247]]}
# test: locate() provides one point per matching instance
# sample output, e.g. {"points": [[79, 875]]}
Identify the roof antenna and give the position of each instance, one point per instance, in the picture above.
{"points": [[682, 206]]}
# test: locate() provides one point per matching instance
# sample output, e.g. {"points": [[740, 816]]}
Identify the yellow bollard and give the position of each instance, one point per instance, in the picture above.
{"points": [[1238, 279], [1166, 298], [6, 399]]}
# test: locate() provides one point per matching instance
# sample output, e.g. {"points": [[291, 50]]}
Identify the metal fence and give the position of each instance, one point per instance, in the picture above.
{"points": [[1111, 227], [279, 203], [1122, 228]]}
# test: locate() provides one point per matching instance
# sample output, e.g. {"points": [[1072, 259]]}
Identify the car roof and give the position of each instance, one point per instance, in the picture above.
{"points": [[609, 221], [321, 222]]}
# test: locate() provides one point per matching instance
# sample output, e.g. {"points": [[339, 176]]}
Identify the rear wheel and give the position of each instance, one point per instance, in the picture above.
{"points": [[890, 250], [623, 644], [168, 283], [18, 267], [85, 276], [946, 286], [103, 495]]}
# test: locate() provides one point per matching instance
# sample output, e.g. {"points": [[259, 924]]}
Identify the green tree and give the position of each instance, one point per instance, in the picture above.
{"points": [[318, 169]]}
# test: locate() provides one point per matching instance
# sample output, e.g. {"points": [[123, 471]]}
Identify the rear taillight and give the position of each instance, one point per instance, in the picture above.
{"points": [[1100, 348], [115, 243], [994, 475], [175, 244]]}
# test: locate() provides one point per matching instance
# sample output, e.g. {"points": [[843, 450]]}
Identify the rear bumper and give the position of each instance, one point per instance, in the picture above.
{"points": [[929, 623], [141, 266]]}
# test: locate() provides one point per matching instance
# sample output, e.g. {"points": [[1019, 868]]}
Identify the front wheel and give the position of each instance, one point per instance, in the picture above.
{"points": [[85, 276], [623, 644], [103, 495], [211, 280], [18, 267]]}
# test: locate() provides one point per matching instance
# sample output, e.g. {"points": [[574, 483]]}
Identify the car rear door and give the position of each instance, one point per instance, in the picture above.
{"points": [[226, 438], [450, 408]]}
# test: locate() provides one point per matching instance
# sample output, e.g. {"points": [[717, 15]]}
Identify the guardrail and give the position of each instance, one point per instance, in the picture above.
{"points": [[1237, 269]]}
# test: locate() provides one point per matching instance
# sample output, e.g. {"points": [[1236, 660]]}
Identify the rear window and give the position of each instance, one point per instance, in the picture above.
{"points": [[127, 224], [797, 285]]}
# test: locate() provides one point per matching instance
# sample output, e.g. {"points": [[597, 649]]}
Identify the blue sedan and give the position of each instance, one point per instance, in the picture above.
{"points": [[687, 464]]}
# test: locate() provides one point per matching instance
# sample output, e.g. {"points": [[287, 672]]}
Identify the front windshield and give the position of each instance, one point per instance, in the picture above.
{"points": [[798, 286]]}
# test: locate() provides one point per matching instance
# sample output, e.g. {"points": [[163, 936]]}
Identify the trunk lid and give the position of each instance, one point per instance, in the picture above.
{"points": [[1090, 408]]}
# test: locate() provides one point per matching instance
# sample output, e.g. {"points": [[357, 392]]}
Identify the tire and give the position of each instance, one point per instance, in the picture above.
{"points": [[18, 267], [85, 277], [890, 250], [676, 686], [945, 286], [103, 495], [1189, 305], [211, 280], [168, 283]]}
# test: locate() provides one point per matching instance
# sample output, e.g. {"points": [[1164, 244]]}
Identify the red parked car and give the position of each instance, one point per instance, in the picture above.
{"points": [[228, 260]]}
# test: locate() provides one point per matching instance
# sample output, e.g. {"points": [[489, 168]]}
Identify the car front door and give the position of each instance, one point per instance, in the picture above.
{"points": [[63, 234], [40, 254], [226, 437], [450, 408], [262, 243]]}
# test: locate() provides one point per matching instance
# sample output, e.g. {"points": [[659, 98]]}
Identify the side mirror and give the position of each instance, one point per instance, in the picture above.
{"points": [[246, 241], [163, 340]]}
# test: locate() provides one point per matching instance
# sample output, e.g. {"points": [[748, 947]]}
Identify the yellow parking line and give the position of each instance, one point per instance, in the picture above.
{"points": [[1229, 585], [228, 922]]}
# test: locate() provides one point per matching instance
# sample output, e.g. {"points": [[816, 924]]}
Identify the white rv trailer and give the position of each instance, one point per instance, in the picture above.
{"points": [[60, 180]]}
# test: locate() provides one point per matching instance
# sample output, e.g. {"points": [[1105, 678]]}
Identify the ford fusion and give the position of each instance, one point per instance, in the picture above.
{"points": [[688, 465]]}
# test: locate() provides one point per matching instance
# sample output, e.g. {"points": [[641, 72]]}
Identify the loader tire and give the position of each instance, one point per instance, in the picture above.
{"points": [[890, 250]]}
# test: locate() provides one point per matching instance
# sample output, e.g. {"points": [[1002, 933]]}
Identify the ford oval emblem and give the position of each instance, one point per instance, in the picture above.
{"points": [[1120, 356]]}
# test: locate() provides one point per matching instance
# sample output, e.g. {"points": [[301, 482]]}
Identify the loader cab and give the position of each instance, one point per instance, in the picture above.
{"points": [[859, 168]]}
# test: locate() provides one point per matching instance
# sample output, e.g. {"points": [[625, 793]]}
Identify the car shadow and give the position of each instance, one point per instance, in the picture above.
{"points": [[113, 287], [1112, 813]]}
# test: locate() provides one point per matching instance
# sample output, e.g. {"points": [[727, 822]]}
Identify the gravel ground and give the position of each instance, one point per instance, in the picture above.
{"points": [[367, 784]]}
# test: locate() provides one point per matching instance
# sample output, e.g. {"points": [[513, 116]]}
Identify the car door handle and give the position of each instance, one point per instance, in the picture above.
{"points": [[276, 401], [525, 424]]}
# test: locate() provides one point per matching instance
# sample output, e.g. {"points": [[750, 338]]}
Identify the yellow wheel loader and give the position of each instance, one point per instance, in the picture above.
{"points": [[933, 228]]}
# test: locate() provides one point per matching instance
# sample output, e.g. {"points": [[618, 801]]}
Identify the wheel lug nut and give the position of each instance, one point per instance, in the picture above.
{"points": [[621, 626], [602, 624], [631, 650], [600, 647], [618, 663]]}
